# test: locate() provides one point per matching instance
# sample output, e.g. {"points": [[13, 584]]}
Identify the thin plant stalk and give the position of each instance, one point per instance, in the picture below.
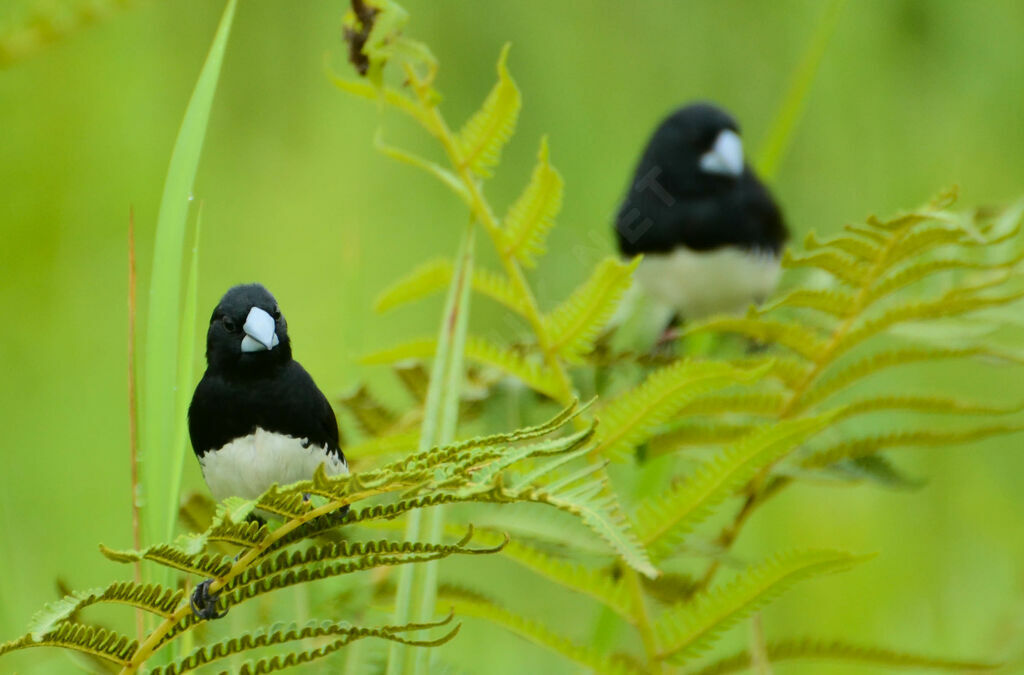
{"points": [[417, 584], [133, 416]]}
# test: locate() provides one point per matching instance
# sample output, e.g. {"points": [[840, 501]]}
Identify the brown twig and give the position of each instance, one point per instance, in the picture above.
{"points": [[133, 422]]}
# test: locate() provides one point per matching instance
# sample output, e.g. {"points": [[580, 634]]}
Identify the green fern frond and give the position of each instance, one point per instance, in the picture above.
{"points": [[435, 275], [633, 416], [473, 604], [245, 534], [200, 564], [511, 362], [152, 598], [425, 279], [595, 503], [417, 348], [664, 520], [686, 630], [763, 403], [926, 404], [573, 325], [838, 650], [800, 339], [883, 360], [597, 584], [275, 663], [953, 303], [278, 634], [532, 216], [697, 432], [395, 509], [844, 268], [496, 287], [485, 133], [835, 302], [450, 180], [853, 244], [862, 447], [922, 269], [101, 643]]}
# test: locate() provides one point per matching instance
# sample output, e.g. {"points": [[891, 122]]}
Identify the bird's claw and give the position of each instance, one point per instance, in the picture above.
{"points": [[204, 603]]}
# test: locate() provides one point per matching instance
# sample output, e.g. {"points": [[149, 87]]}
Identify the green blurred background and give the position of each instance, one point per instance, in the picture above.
{"points": [[912, 96]]}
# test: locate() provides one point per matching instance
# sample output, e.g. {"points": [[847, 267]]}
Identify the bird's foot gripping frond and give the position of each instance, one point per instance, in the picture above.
{"points": [[204, 603]]}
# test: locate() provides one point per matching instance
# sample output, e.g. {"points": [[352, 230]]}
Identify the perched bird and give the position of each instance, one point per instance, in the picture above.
{"points": [[709, 230], [256, 418]]}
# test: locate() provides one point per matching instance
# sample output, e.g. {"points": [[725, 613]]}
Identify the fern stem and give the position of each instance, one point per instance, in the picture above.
{"points": [[642, 620], [756, 489], [485, 215]]}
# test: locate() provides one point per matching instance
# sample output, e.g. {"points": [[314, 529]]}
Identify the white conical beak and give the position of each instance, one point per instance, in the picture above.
{"points": [[725, 156], [260, 333]]}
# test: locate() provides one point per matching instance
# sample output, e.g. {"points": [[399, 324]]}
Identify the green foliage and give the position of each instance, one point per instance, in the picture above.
{"points": [[686, 630]]}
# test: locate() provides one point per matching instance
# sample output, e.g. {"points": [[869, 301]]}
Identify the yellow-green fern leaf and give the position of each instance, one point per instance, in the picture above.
{"points": [[533, 374], [417, 348], [844, 268], [687, 630], [926, 404], [424, 280], [802, 340], [840, 651], [597, 584], [468, 603], [664, 520], [891, 358], [485, 133], [498, 288], [101, 643], [697, 433], [862, 248], [633, 416], [532, 216], [862, 447], [837, 303], [922, 269], [572, 326]]}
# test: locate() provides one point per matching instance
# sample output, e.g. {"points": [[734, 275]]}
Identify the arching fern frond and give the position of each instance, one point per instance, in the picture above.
{"points": [[532, 216], [277, 634], [485, 133], [152, 598], [468, 603], [686, 630], [663, 520], [101, 643], [572, 326], [839, 650], [631, 418]]}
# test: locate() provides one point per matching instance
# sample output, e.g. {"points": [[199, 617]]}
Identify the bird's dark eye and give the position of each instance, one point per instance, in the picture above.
{"points": [[229, 323], [276, 313]]}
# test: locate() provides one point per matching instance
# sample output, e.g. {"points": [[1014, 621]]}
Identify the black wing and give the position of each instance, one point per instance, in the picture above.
{"points": [[742, 214], [288, 402]]}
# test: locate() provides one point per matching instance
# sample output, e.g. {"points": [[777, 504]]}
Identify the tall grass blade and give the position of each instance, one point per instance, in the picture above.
{"points": [[417, 584], [779, 136], [161, 453]]}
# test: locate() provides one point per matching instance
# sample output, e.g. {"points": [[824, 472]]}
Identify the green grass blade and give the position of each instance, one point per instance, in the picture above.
{"points": [[186, 373], [780, 134], [417, 584], [160, 458]]}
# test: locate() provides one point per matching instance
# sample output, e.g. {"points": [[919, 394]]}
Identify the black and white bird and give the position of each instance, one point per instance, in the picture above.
{"points": [[257, 418], [710, 232]]}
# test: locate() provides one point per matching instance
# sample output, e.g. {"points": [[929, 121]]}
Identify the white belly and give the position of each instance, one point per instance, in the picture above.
{"points": [[247, 466], [697, 285]]}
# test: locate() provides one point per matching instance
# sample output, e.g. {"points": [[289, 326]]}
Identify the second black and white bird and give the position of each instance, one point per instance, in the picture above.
{"points": [[257, 418], [709, 230]]}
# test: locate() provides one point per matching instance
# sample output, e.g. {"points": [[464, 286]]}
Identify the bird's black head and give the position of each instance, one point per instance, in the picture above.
{"points": [[248, 333], [695, 149]]}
